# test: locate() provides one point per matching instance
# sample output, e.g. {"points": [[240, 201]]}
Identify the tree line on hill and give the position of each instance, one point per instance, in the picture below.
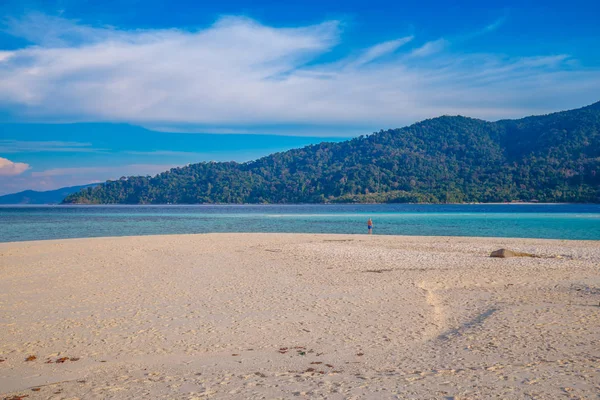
{"points": [[549, 158]]}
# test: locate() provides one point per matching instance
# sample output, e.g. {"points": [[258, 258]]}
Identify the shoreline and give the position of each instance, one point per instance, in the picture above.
{"points": [[353, 236], [229, 316], [284, 204], [309, 234]]}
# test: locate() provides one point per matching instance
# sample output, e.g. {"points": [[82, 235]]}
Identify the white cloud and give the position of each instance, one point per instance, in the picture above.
{"points": [[19, 146], [239, 75], [51, 31], [430, 48], [495, 25], [9, 168], [5, 55], [114, 171], [381, 50], [166, 153]]}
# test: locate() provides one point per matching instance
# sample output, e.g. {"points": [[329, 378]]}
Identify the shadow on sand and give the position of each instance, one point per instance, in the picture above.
{"points": [[476, 321]]}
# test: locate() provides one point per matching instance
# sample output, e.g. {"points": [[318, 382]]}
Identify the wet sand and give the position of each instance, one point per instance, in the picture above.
{"points": [[252, 316]]}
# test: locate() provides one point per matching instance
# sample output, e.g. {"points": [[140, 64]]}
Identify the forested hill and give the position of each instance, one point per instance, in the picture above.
{"points": [[550, 158]]}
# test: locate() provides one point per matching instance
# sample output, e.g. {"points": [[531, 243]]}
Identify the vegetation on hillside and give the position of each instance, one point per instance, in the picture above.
{"points": [[550, 158]]}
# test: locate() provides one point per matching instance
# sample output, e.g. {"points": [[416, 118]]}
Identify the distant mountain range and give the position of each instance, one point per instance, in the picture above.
{"points": [[549, 158], [47, 197]]}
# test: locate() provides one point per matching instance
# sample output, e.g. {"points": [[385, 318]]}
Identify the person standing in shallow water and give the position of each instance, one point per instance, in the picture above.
{"points": [[370, 225]]}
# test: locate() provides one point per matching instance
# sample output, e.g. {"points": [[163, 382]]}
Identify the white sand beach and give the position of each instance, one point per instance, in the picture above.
{"points": [[264, 316]]}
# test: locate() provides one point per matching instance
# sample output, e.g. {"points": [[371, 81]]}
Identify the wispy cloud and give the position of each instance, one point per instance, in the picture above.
{"points": [[49, 31], [429, 48], [488, 29], [238, 75], [131, 169], [380, 50], [495, 25], [166, 153], [192, 129], [9, 168], [18, 146], [5, 55]]}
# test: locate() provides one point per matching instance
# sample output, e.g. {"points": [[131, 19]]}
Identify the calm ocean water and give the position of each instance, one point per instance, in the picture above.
{"points": [[560, 221]]}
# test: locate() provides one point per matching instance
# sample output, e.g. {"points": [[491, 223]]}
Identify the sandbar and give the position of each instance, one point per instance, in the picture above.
{"points": [[264, 316]]}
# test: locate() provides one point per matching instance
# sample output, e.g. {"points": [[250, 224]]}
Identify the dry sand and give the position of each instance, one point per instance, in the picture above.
{"points": [[253, 316]]}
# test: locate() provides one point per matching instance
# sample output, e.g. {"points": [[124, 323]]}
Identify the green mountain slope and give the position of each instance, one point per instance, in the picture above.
{"points": [[550, 158]]}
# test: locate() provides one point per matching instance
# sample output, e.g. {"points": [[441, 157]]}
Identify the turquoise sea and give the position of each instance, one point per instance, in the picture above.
{"points": [[556, 221]]}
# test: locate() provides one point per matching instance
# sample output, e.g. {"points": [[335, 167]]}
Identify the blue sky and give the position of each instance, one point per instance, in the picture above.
{"points": [[92, 90]]}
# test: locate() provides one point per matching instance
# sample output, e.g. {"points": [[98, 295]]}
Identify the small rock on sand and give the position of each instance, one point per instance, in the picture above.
{"points": [[506, 253]]}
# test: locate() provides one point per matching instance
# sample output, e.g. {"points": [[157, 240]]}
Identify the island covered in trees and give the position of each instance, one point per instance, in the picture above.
{"points": [[450, 159]]}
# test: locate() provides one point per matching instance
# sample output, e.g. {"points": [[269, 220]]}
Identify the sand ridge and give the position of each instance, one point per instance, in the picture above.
{"points": [[299, 315]]}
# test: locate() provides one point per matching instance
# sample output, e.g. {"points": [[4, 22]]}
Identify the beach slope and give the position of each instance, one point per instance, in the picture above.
{"points": [[313, 316]]}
